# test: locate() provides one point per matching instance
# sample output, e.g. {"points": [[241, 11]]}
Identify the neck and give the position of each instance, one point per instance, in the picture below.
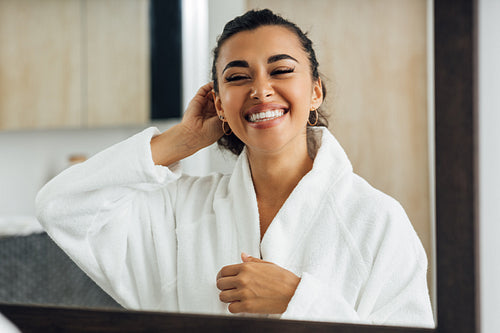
{"points": [[276, 174]]}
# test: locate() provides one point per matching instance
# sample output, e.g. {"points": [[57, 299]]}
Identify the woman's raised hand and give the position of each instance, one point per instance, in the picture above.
{"points": [[200, 118], [199, 128]]}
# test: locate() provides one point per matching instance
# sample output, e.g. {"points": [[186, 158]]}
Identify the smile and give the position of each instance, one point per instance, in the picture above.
{"points": [[265, 116]]}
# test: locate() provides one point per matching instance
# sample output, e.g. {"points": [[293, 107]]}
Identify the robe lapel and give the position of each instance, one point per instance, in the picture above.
{"points": [[244, 210], [290, 227], [236, 229]]}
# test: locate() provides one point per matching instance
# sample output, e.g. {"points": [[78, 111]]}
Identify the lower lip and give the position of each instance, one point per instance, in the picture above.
{"points": [[267, 123]]}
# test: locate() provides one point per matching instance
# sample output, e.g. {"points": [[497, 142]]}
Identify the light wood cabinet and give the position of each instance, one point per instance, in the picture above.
{"points": [[73, 63]]}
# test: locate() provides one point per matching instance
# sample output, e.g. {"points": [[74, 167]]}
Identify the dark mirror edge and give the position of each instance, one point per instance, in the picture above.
{"points": [[455, 40], [32, 318]]}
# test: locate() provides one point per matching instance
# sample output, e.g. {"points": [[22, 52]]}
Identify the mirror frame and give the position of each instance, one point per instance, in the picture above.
{"points": [[455, 39]]}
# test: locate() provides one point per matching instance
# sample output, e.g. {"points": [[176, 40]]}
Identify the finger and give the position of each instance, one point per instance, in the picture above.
{"points": [[246, 258], [205, 89], [210, 96], [228, 296], [208, 104], [201, 97], [227, 283], [204, 100], [236, 307], [229, 270], [209, 108]]}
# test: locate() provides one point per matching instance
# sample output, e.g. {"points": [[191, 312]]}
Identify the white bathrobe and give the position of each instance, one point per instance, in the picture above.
{"points": [[155, 239]]}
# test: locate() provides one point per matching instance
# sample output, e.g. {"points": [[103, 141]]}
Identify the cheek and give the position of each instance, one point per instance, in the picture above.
{"points": [[231, 101], [300, 93]]}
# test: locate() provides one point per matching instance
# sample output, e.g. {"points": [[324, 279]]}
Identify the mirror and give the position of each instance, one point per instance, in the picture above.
{"points": [[376, 59], [340, 99]]}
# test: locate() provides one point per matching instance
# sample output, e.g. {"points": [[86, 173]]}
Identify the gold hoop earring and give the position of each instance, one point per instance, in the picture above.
{"points": [[224, 129], [317, 117]]}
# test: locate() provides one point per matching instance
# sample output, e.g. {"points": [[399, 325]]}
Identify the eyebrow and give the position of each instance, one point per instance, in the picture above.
{"points": [[236, 63], [271, 59], [279, 57]]}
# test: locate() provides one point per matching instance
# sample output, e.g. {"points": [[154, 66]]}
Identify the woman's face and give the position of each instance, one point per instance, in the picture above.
{"points": [[265, 88]]}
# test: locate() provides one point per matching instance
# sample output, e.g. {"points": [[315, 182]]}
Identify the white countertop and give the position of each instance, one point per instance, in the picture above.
{"points": [[19, 225]]}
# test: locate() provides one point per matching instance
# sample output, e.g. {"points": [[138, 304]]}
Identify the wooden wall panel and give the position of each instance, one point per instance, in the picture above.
{"points": [[372, 55], [117, 86], [40, 55]]}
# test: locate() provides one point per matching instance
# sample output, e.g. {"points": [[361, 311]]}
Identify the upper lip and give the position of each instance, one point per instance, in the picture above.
{"points": [[264, 107]]}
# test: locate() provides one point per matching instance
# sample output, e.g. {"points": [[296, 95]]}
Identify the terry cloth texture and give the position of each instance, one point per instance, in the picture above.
{"points": [[155, 239]]}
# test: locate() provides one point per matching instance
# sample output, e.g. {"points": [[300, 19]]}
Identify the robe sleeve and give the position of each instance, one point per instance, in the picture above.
{"points": [[114, 216], [393, 293]]}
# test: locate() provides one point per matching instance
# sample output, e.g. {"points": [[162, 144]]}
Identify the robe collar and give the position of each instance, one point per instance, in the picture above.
{"points": [[300, 210]]}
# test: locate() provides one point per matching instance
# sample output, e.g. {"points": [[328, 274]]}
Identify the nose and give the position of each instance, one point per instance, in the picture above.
{"points": [[261, 89]]}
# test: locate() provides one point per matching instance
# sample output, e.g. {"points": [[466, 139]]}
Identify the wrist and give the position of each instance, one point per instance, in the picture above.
{"points": [[173, 145], [187, 140]]}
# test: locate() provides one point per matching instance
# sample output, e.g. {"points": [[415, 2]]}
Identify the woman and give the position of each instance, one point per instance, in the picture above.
{"points": [[292, 232]]}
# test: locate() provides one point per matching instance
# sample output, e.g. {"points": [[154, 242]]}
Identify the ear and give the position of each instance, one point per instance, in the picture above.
{"points": [[218, 104], [317, 94]]}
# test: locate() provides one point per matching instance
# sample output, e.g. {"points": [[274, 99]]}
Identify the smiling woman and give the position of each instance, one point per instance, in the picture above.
{"points": [[274, 63], [456, 214], [273, 75], [292, 233]]}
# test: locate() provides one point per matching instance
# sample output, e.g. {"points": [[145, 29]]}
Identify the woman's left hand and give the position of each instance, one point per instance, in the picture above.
{"points": [[256, 286]]}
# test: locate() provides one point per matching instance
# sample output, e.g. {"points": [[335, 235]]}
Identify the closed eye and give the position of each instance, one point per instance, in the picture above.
{"points": [[282, 71], [236, 77]]}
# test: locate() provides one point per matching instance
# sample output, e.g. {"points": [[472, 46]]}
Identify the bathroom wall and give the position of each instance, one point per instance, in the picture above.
{"points": [[30, 158]]}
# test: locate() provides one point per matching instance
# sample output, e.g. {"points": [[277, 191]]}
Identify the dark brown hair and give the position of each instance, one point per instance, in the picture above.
{"points": [[252, 20]]}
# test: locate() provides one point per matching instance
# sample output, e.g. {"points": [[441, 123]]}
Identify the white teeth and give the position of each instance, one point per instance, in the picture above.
{"points": [[266, 115]]}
